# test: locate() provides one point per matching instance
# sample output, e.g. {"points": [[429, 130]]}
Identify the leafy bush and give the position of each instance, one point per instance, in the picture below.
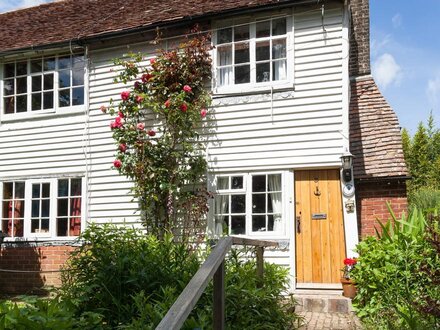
{"points": [[132, 279], [33, 313], [389, 276], [425, 199]]}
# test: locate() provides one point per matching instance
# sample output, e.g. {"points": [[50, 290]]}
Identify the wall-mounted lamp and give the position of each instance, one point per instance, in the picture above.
{"points": [[347, 163]]}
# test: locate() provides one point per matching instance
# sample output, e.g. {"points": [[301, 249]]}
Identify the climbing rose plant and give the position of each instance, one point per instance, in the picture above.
{"points": [[156, 128]]}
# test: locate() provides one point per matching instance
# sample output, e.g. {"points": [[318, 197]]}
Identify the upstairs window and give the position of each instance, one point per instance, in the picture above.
{"points": [[43, 84], [253, 53]]}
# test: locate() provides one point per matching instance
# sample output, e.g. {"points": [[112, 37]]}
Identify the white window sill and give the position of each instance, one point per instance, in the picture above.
{"points": [[42, 114], [251, 89]]}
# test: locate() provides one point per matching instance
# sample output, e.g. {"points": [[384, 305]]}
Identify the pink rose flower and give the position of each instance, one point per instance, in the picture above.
{"points": [[140, 126], [152, 61], [122, 147], [151, 132], [103, 109], [167, 103], [203, 112], [117, 163], [117, 123], [183, 107], [139, 99], [120, 114], [187, 88], [125, 95]]}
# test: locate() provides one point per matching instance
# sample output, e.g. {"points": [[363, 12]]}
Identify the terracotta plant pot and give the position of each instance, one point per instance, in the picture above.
{"points": [[348, 287]]}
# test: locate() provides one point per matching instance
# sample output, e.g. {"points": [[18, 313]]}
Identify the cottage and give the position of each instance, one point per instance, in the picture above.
{"points": [[292, 93]]}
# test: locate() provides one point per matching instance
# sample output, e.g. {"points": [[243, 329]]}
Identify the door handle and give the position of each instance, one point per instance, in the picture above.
{"points": [[298, 223]]}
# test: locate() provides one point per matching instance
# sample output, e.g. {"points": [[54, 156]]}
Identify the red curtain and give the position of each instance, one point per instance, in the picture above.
{"points": [[13, 214]]}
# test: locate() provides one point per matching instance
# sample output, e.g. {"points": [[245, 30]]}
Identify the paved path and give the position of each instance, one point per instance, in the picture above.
{"points": [[330, 321]]}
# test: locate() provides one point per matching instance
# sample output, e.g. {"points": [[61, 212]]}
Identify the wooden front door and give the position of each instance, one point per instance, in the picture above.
{"points": [[320, 238]]}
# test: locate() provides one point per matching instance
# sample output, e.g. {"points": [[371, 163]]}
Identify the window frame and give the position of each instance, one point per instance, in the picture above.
{"points": [[247, 191], [253, 85], [56, 109], [53, 197]]}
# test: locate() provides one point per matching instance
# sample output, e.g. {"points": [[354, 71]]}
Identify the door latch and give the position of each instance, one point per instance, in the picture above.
{"points": [[298, 223]]}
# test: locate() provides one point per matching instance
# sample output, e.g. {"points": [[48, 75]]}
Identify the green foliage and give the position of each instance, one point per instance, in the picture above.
{"points": [[132, 279], [425, 199], [156, 132], [39, 314], [389, 275]]}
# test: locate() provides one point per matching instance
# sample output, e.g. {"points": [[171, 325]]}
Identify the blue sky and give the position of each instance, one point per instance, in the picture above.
{"points": [[405, 55]]}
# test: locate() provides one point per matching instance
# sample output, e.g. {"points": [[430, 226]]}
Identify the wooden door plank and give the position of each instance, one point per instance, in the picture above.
{"points": [[315, 226], [325, 229], [306, 228], [298, 238]]}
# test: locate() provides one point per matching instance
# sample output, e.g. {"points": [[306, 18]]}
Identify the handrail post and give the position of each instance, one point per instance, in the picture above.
{"points": [[219, 297], [260, 265]]}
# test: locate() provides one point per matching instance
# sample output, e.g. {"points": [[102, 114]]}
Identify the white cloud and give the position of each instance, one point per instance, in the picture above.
{"points": [[433, 91], [377, 45], [386, 71], [397, 21]]}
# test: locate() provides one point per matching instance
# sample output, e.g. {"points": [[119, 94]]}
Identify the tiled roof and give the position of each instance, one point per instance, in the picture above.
{"points": [[375, 138], [67, 20]]}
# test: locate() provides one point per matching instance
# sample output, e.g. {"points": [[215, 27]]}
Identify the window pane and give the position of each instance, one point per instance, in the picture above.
{"points": [[21, 68], [78, 96], [270, 222], [258, 183], [224, 55], [263, 29], [241, 32], [63, 188], [36, 190], [62, 207], [263, 72], [78, 62], [9, 70], [48, 81], [19, 209], [271, 198], [64, 78], [48, 100], [35, 224], [224, 36], [36, 66], [222, 182], [19, 190], [36, 83], [35, 213], [7, 190], [242, 74], [44, 225], [8, 105], [75, 206], [279, 70], [258, 203], [221, 205], [22, 103], [64, 62], [46, 190], [62, 226], [279, 26], [45, 207], [36, 101], [49, 64], [75, 187], [6, 210], [238, 204], [258, 223], [263, 50], [242, 53], [225, 76], [78, 77], [21, 85], [274, 182], [64, 98], [237, 182], [279, 48], [8, 86], [238, 225]]}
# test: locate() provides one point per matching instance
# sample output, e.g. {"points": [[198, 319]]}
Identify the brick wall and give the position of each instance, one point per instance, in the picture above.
{"points": [[30, 258], [371, 198], [360, 38]]}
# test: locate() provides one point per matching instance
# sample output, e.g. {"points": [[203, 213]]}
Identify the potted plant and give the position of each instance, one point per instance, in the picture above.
{"points": [[348, 286]]}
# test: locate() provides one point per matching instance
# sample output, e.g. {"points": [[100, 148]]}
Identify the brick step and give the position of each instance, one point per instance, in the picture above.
{"points": [[319, 303]]}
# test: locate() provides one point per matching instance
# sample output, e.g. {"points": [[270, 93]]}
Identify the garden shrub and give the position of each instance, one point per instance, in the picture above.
{"points": [[425, 199], [390, 279], [132, 279]]}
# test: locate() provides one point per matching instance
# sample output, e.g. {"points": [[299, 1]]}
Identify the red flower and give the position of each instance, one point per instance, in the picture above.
{"points": [[120, 114], [139, 99], [123, 147], [117, 123], [183, 107], [187, 88], [151, 132], [152, 61], [167, 103], [203, 112], [103, 109], [146, 77], [350, 261], [117, 163], [140, 126], [125, 95]]}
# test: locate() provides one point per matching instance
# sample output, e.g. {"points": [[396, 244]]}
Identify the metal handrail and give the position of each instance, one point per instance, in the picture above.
{"points": [[213, 267]]}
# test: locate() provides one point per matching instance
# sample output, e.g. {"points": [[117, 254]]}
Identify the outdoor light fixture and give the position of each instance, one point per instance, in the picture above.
{"points": [[347, 162]]}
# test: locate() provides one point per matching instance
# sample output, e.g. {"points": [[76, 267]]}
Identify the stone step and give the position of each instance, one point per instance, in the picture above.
{"points": [[319, 303]]}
